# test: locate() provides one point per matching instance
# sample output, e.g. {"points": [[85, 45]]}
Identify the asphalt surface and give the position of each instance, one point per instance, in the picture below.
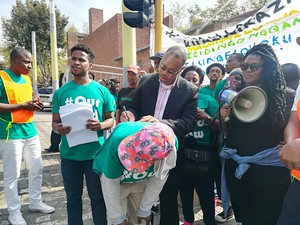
{"points": [[52, 188]]}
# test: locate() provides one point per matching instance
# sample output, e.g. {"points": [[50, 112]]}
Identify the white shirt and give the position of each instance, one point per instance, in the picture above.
{"points": [[164, 92]]}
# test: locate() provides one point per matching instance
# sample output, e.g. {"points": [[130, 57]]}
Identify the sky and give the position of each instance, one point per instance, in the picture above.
{"points": [[77, 10]]}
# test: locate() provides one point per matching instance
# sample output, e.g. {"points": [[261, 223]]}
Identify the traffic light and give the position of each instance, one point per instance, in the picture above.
{"points": [[140, 17]]}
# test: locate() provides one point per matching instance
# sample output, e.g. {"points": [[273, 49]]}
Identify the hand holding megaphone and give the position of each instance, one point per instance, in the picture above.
{"points": [[225, 112], [248, 105]]}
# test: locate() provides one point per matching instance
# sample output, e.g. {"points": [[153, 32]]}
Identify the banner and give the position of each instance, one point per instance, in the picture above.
{"points": [[277, 24]]}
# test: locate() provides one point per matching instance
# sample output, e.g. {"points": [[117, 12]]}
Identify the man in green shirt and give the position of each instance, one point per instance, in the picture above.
{"points": [[18, 136], [77, 161], [215, 72], [134, 164]]}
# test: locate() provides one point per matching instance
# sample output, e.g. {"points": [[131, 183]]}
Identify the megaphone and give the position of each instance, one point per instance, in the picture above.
{"points": [[248, 105]]}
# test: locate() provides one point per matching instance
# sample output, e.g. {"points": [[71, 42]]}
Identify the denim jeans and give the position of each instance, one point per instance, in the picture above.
{"points": [[73, 173]]}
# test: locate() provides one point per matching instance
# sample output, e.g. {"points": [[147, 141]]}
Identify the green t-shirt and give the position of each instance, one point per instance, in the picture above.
{"points": [[220, 86], [115, 101], [101, 100], [107, 160], [207, 91], [17, 130], [202, 133]]}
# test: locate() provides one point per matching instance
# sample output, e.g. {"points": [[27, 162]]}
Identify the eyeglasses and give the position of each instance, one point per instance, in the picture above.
{"points": [[253, 66], [168, 70]]}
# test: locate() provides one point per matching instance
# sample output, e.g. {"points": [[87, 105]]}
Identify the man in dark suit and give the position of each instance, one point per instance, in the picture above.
{"points": [[168, 98]]}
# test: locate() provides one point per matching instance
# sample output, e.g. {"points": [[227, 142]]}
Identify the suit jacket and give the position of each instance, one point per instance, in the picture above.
{"points": [[181, 108]]}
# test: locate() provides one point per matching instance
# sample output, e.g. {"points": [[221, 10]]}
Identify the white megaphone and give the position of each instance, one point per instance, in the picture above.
{"points": [[248, 105]]}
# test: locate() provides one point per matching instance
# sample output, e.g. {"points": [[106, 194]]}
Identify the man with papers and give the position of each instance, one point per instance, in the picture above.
{"points": [[82, 109]]}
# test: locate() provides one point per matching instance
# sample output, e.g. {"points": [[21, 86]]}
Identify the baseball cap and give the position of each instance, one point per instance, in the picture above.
{"points": [[139, 151], [133, 68], [158, 55]]}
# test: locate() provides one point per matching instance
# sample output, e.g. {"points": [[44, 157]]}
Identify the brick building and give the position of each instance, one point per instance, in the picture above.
{"points": [[106, 40]]}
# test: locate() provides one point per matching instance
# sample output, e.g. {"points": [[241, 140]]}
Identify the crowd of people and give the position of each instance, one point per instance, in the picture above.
{"points": [[163, 135]]}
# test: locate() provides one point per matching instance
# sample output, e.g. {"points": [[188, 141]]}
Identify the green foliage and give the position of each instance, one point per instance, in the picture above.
{"points": [[177, 11], [256, 4], [34, 16], [4, 57]]}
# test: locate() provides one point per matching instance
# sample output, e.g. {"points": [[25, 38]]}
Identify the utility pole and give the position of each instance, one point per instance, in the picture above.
{"points": [[53, 40], [34, 66]]}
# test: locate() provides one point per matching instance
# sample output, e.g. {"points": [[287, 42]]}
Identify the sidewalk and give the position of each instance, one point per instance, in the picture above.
{"points": [[53, 190]]}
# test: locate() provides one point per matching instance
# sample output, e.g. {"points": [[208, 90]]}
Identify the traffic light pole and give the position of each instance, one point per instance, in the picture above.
{"points": [[158, 24], [128, 47]]}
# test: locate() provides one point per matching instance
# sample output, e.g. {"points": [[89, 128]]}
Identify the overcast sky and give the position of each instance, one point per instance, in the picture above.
{"points": [[77, 10]]}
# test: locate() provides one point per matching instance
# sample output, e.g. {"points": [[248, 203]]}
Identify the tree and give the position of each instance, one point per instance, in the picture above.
{"points": [[177, 10], [34, 16], [256, 4]]}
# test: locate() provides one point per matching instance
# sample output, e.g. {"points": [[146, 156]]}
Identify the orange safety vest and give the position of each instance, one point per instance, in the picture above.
{"points": [[16, 94], [296, 173]]}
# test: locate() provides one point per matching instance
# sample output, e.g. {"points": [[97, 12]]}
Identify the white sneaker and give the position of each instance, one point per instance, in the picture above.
{"points": [[16, 219], [41, 207]]}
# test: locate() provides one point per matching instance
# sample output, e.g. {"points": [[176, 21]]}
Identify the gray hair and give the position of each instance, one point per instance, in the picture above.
{"points": [[178, 52]]}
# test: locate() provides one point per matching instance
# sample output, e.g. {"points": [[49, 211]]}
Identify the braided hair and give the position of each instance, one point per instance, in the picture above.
{"points": [[272, 82]]}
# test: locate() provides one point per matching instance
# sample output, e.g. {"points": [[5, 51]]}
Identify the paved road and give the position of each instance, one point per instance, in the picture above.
{"points": [[53, 191]]}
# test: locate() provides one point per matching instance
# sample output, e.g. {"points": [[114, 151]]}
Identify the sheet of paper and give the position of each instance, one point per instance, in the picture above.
{"points": [[76, 116]]}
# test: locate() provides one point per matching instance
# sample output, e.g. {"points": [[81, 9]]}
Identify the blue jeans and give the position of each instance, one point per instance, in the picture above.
{"points": [[72, 173]]}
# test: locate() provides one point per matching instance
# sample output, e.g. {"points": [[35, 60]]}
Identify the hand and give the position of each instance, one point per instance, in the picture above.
{"points": [[93, 125], [63, 130], [290, 155], [123, 223], [127, 116], [225, 112], [39, 105], [201, 114], [150, 119], [34, 105], [147, 219]]}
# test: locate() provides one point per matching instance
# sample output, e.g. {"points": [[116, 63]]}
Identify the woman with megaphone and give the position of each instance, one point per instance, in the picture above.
{"points": [[256, 179]]}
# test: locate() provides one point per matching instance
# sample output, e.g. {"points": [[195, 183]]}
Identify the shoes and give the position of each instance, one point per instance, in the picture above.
{"points": [[221, 218], [41, 207], [51, 150], [187, 223], [16, 219]]}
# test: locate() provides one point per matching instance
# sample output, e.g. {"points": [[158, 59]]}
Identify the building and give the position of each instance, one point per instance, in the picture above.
{"points": [[106, 40]]}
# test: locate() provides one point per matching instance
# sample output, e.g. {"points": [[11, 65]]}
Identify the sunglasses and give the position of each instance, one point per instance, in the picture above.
{"points": [[253, 66]]}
